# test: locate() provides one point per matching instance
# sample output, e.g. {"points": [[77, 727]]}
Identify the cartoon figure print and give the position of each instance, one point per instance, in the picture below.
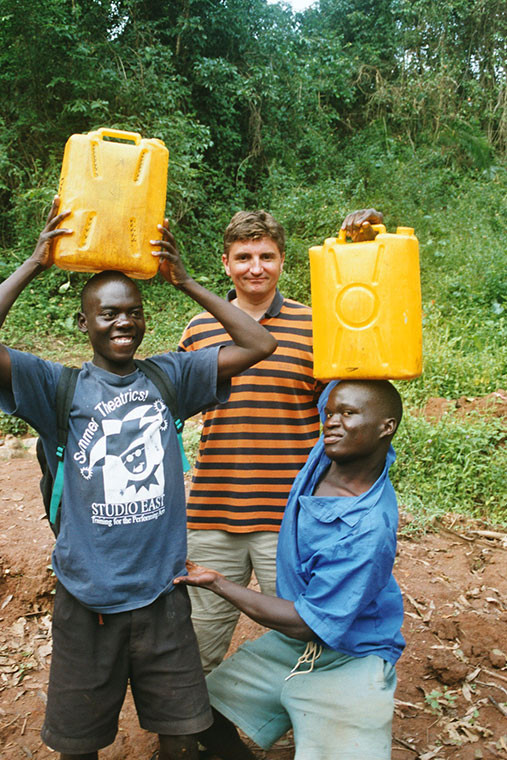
{"points": [[130, 452]]}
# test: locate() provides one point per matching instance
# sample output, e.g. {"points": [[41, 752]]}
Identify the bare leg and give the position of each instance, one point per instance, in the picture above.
{"points": [[178, 747], [223, 739]]}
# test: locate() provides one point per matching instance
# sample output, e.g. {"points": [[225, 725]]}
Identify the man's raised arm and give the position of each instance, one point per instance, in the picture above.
{"points": [[41, 259], [252, 342]]}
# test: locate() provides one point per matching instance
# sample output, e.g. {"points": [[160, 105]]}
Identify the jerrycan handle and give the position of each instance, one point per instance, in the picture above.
{"points": [[379, 228], [134, 137]]}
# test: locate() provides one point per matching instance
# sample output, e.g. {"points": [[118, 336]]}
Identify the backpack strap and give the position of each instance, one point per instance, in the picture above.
{"points": [[64, 395], [168, 392]]}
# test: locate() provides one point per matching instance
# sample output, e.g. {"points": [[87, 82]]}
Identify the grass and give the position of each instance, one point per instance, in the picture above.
{"points": [[453, 465]]}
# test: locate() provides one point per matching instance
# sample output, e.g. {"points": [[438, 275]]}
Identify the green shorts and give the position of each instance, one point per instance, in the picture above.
{"points": [[342, 708]]}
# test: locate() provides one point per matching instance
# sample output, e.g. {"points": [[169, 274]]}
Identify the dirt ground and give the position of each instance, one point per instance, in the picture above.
{"points": [[451, 700]]}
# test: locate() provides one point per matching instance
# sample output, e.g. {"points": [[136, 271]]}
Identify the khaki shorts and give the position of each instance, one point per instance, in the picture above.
{"points": [[235, 555]]}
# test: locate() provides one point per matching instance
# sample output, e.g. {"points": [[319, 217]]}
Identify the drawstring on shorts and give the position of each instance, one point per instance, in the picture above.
{"points": [[311, 653]]}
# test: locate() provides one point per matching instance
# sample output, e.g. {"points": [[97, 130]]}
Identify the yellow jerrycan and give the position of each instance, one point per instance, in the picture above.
{"points": [[114, 184], [366, 303]]}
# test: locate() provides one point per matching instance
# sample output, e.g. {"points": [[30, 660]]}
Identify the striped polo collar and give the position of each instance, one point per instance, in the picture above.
{"points": [[273, 310]]}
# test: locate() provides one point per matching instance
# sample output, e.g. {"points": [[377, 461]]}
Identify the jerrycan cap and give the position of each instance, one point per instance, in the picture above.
{"points": [[404, 230]]}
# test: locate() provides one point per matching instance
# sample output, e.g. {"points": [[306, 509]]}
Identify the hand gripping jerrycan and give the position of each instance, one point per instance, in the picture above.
{"points": [[366, 303], [114, 183]]}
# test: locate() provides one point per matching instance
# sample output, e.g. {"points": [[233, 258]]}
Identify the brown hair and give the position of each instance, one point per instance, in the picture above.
{"points": [[250, 225]]}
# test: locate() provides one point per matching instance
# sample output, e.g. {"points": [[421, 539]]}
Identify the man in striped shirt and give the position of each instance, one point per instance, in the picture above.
{"points": [[253, 446]]}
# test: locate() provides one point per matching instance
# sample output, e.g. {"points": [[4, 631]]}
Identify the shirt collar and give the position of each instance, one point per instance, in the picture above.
{"points": [[272, 311], [349, 509]]}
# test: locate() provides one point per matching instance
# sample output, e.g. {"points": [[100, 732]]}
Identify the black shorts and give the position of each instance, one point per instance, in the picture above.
{"points": [[154, 647]]}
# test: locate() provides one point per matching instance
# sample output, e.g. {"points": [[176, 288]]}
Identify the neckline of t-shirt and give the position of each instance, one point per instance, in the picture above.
{"points": [[112, 377]]}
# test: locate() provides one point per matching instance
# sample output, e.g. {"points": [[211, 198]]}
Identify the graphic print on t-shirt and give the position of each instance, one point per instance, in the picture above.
{"points": [[128, 455]]}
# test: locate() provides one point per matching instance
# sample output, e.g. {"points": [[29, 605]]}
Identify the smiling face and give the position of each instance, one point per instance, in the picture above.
{"points": [[254, 266], [357, 425], [113, 318]]}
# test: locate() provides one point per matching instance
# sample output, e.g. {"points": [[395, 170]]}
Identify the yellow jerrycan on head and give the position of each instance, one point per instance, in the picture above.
{"points": [[114, 184], [366, 304]]}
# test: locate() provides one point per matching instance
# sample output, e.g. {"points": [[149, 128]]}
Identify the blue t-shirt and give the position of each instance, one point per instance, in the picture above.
{"points": [[122, 535], [335, 559]]}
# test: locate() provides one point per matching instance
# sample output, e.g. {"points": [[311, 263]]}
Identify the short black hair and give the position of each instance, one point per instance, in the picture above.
{"points": [[390, 399], [109, 275]]}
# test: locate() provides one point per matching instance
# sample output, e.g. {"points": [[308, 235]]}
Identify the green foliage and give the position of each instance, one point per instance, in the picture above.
{"points": [[453, 465], [441, 701], [167, 312], [449, 74], [191, 439], [12, 425], [46, 308], [464, 353]]}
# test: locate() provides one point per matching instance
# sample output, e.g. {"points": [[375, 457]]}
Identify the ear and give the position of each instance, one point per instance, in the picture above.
{"points": [[81, 322], [388, 427], [282, 255], [225, 262]]}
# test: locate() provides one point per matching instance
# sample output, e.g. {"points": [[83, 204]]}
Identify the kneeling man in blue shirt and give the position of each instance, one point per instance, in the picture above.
{"points": [[326, 668]]}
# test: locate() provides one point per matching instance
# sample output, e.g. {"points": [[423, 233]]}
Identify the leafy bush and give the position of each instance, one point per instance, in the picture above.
{"points": [[12, 425], [451, 466]]}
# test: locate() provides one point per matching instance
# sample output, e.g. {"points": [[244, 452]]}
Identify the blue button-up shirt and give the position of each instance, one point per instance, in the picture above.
{"points": [[335, 559]]}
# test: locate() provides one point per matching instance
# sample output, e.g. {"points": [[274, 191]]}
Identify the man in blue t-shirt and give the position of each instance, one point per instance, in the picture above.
{"points": [[118, 616], [326, 668]]}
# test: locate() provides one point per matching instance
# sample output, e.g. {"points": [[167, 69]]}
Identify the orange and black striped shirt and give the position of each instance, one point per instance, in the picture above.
{"points": [[253, 446]]}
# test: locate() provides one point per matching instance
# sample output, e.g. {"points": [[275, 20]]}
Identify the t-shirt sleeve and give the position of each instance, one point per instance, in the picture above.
{"points": [[346, 577], [32, 397], [195, 376]]}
